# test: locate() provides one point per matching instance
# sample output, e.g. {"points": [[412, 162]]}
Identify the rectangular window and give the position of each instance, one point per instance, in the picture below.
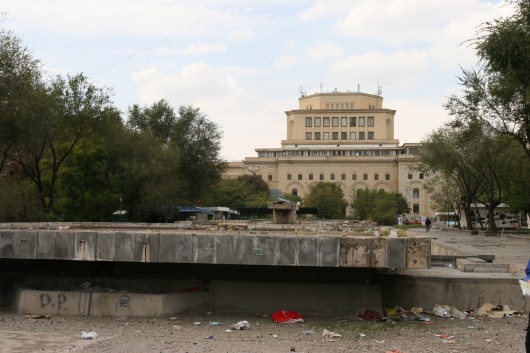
{"points": [[343, 135], [269, 177], [370, 121], [344, 121], [361, 135], [410, 175], [317, 122], [308, 122], [299, 176], [365, 176], [289, 177], [326, 136], [310, 176], [317, 135], [361, 121], [370, 135], [354, 176], [353, 121], [416, 208], [321, 176], [335, 135], [332, 176], [343, 176], [387, 176], [421, 175], [308, 135], [376, 176], [326, 121], [335, 121], [352, 135]]}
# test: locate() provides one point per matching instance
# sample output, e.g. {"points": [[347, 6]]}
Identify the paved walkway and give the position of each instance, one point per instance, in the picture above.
{"points": [[513, 250]]}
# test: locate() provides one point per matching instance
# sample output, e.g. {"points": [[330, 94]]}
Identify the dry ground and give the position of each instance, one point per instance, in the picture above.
{"points": [[181, 334]]}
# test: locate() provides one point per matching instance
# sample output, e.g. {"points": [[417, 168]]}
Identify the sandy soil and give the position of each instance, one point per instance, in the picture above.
{"points": [[183, 334]]}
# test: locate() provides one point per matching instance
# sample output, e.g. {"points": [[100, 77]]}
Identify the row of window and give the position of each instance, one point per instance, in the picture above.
{"points": [[332, 176], [334, 121], [327, 153], [343, 135]]}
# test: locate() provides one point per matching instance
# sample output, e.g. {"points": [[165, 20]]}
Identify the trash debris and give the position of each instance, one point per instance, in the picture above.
{"points": [[262, 315], [228, 330], [198, 323], [214, 323], [308, 332], [241, 325], [177, 327], [89, 335], [416, 311], [286, 317], [423, 318], [362, 335], [37, 316], [208, 337], [330, 334], [441, 310], [457, 314], [370, 315], [393, 350]]}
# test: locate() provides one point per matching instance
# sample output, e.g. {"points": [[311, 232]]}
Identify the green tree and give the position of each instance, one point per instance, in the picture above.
{"points": [[499, 92], [328, 198], [244, 191], [379, 206], [20, 78], [66, 112]]}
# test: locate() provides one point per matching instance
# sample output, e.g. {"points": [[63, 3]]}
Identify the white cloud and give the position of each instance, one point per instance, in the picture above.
{"points": [[242, 35], [322, 51], [199, 48], [285, 61]]}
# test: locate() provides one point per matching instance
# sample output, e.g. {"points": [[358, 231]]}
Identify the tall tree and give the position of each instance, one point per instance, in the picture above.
{"points": [[328, 198], [20, 78], [499, 92], [66, 111]]}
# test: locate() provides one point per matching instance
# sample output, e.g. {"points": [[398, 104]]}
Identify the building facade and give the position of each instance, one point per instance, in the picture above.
{"points": [[341, 137]]}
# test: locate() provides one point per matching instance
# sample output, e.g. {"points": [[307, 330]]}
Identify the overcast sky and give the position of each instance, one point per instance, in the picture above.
{"points": [[243, 62]]}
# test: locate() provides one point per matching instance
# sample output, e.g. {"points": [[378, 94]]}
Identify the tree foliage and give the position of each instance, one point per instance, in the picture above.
{"points": [[328, 198], [499, 91], [243, 191], [379, 206]]}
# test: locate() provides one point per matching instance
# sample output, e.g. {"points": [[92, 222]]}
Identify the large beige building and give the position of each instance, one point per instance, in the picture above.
{"points": [[341, 137]]}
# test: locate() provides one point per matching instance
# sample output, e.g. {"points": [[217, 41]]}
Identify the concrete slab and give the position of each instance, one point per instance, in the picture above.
{"points": [[308, 251], [396, 253], [205, 251], [26, 245], [124, 247], [85, 246], [226, 249], [63, 245], [287, 251], [418, 253], [329, 251], [7, 244], [105, 247], [45, 245], [362, 252]]}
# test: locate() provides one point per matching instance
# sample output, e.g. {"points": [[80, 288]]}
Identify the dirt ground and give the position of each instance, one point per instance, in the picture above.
{"points": [[184, 334]]}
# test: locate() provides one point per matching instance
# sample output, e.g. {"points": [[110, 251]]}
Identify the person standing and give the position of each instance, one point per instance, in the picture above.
{"points": [[427, 224], [527, 340]]}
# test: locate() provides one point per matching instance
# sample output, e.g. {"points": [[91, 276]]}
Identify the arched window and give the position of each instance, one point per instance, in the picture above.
{"points": [[416, 193], [294, 192]]}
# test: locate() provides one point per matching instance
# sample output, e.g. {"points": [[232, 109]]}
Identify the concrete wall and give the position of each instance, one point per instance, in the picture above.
{"points": [[464, 293], [341, 250], [82, 303]]}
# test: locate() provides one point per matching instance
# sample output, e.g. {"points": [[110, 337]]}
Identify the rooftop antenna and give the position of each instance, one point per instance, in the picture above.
{"points": [[358, 88], [379, 89], [321, 86], [301, 91]]}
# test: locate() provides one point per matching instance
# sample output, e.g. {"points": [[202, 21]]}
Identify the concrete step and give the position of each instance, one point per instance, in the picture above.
{"points": [[479, 265]]}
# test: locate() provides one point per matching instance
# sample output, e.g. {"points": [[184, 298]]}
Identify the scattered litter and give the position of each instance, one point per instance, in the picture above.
{"points": [[262, 315], [208, 337], [241, 325], [198, 323], [441, 310], [393, 350], [416, 311], [214, 323], [37, 316], [89, 335], [173, 318], [286, 317], [423, 317], [457, 313], [308, 332], [362, 335], [177, 327], [275, 336], [331, 334], [228, 330], [370, 315], [84, 285]]}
